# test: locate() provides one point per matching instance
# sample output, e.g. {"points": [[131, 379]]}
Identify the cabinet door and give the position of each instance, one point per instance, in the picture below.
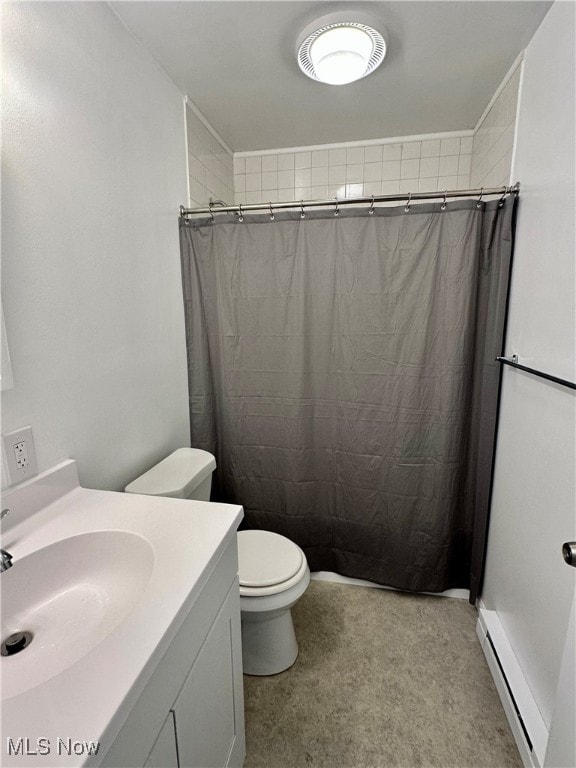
{"points": [[209, 712], [164, 753]]}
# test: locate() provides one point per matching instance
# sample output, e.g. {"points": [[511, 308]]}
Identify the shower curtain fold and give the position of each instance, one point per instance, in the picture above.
{"points": [[342, 371]]}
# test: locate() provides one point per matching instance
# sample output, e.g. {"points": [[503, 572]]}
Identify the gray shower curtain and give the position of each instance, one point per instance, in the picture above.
{"points": [[342, 371]]}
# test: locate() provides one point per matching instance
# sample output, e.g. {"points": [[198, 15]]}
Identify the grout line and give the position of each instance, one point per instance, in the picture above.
{"points": [[359, 143]]}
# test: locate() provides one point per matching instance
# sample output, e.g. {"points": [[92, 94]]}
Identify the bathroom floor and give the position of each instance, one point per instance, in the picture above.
{"points": [[383, 679]]}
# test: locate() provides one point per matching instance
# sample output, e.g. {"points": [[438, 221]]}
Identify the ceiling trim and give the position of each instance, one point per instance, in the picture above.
{"points": [[189, 103], [517, 61], [359, 143]]}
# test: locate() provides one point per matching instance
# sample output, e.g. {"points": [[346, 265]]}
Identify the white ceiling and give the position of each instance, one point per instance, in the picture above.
{"points": [[236, 60]]}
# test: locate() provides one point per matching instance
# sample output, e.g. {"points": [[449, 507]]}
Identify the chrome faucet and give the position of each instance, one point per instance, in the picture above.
{"points": [[5, 557]]}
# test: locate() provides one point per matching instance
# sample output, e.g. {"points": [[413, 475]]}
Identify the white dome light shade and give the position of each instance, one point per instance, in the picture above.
{"points": [[341, 53]]}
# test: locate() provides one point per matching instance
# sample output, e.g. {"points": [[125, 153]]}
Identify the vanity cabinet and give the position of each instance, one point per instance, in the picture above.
{"points": [[191, 712]]}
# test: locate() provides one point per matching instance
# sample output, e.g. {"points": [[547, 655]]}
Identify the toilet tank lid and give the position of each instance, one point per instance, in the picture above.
{"points": [[177, 475]]}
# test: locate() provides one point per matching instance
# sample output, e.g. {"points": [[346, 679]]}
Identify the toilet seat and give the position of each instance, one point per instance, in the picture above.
{"points": [[268, 563]]}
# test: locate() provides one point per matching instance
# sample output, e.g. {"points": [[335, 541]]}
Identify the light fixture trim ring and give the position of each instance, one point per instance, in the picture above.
{"points": [[303, 49]]}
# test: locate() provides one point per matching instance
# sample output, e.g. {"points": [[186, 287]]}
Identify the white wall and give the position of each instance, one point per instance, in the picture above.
{"points": [[391, 166], [94, 171], [526, 581]]}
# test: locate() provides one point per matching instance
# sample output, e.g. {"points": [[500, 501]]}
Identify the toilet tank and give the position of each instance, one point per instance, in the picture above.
{"points": [[185, 474]]}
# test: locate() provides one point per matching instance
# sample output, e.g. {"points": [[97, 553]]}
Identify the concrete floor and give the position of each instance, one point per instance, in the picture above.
{"points": [[383, 679]]}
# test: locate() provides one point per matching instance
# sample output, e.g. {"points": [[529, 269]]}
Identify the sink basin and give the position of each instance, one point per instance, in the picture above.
{"points": [[70, 595]]}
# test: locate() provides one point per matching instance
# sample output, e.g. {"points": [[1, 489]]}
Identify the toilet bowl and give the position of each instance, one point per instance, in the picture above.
{"points": [[272, 570], [273, 575]]}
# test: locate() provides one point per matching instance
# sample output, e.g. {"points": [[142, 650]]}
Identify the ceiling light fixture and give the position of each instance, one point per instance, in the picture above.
{"points": [[340, 48]]}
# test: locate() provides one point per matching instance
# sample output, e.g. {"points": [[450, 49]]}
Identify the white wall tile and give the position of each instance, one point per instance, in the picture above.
{"points": [[450, 146], [390, 187], [391, 152], [410, 166], [354, 155], [411, 149], [270, 180], [430, 148], [303, 160], [373, 154], [409, 169], [269, 163], [355, 173], [390, 170], [319, 176], [253, 182], [211, 167], [494, 138], [286, 161], [320, 192], [354, 190], [320, 158], [447, 182], [285, 179], [373, 172], [464, 164], [337, 174], [253, 164], [337, 157], [372, 187], [448, 165], [408, 185], [429, 167], [303, 177]]}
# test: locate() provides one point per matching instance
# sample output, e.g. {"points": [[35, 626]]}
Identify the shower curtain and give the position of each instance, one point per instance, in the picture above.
{"points": [[342, 371]]}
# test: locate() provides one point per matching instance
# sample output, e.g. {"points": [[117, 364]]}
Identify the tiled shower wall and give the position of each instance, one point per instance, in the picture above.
{"points": [[494, 136], [388, 167], [459, 160], [210, 173]]}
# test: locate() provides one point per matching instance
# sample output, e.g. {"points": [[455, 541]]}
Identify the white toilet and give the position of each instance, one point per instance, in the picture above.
{"points": [[273, 571]]}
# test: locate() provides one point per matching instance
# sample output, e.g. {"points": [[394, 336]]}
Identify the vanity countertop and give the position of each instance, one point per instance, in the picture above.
{"points": [[172, 544]]}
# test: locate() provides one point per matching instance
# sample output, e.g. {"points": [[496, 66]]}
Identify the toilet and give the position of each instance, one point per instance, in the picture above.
{"points": [[273, 571]]}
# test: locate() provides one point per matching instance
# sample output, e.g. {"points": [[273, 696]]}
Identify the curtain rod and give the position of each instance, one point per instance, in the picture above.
{"points": [[372, 200]]}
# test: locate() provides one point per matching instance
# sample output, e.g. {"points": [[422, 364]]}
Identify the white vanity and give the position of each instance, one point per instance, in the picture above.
{"points": [[133, 604]]}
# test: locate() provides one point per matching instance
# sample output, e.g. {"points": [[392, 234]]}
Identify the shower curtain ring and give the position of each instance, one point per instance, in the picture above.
{"points": [[501, 201], [302, 214], [407, 206], [371, 209], [240, 215], [336, 211], [271, 211], [212, 219], [479, 202], [443, 206]]}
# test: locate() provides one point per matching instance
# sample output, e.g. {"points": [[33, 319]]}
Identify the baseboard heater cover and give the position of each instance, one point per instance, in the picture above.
{"points": [[524, 718]]}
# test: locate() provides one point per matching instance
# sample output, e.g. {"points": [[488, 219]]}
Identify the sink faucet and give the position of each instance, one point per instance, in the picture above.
{"points": [[5, 557]]}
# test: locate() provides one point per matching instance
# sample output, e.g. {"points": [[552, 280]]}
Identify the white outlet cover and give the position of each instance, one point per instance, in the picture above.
{"points": [[9, 440]]}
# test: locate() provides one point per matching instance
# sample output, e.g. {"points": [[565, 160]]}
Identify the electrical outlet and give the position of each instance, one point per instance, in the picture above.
{"points": [[19, 454]]}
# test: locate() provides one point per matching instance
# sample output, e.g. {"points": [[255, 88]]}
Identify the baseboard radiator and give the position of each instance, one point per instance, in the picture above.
{"points": [[524, 718]]}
